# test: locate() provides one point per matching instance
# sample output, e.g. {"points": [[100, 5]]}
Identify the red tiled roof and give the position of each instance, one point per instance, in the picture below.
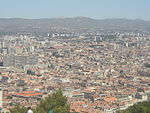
{"points": [[28, 93], [110, 99]]}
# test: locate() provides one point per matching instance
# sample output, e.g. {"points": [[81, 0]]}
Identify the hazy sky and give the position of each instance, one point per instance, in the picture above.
{"points": [[132, 9]]}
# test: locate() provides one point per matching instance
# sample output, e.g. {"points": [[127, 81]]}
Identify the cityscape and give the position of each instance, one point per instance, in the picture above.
{"points": [[100, 73], [100, 65]]}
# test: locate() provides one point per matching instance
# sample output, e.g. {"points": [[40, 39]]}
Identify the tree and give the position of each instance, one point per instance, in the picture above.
{"points": [[39, 110], [9, 97], [56, 102], [18, 109]]}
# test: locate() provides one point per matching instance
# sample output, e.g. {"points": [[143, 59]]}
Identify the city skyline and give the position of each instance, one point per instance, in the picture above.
{"points": [[74, 56], [96, 9]]}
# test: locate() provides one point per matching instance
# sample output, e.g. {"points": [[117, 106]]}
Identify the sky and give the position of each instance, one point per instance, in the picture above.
{"points": [[98, 9]]}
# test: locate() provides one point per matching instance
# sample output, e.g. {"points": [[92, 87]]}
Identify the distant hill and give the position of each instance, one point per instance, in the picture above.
{"points": [[15, 25]]}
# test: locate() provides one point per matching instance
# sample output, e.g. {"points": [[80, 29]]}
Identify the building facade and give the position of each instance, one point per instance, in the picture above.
{"points": [[19, 61]]}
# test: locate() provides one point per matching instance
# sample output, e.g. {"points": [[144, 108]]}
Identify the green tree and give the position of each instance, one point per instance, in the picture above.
{"points": [[39, 110], [9, 97], [56, 102], [18, 109]]}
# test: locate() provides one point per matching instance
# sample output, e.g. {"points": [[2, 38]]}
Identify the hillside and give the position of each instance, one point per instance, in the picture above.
{"points": [[16, 25]]}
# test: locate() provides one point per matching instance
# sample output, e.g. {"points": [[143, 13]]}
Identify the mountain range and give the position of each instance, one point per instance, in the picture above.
{"points": [[17, 25]]}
